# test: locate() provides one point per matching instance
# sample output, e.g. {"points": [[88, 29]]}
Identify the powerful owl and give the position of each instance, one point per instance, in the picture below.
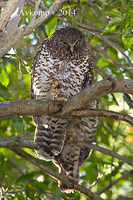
{"points": [[62, 67]]}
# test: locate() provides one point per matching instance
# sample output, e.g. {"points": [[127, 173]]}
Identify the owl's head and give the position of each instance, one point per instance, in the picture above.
{"points": [[68, 42]]}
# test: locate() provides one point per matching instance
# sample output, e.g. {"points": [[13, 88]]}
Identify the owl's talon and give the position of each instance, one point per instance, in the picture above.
{"points": [[71, 134], [60, 99]]}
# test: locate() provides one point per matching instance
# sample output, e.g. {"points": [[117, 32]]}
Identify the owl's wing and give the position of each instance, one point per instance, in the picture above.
{"points": [[32, 72], [50, 132], [72, 155]]}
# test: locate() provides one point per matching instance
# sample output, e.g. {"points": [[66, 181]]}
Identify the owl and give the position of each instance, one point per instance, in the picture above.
{"points": [[62, 67]]}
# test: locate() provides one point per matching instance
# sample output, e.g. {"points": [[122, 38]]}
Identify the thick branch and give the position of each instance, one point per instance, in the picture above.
{"points": [[16, 141], [76, 106], [108, 152], [14, 21], [38, 163], [5, 15], [97, 90], [28, 107], [21, 141]]}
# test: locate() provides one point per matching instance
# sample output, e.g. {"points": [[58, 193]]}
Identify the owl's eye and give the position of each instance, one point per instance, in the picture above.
{"points": [[64, 43], [77, 43]]}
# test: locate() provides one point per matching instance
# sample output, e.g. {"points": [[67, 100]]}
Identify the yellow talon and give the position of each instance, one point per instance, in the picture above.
{"points": [[61, 99], [71, 134]]}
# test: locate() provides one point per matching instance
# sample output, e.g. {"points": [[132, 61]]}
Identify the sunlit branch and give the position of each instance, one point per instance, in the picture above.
{"points": [[124, 175], [27, 30], [75, 104], [5, 15], [103, 113], [108, 152], [8, 142]]}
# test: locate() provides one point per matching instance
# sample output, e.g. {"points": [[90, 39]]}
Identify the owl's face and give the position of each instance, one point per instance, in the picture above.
{"points": [[68, 43]]}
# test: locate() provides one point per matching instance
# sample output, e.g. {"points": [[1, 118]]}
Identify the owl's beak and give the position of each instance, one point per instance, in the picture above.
{"points": [[71, 50]]}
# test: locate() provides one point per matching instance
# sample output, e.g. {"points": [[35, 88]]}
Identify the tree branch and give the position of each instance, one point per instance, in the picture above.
{"points": [[42, 166], [3, 3], [36, 9], [103, 113], [8, 10], [124, 175], [27, 30], [108, 152], [95, 91], [95, 32], [118, 64], [77, 106], [14, 21], [21, 141], [16, 141]]}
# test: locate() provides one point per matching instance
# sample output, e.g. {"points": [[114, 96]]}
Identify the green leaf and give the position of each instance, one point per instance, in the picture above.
{"points": [[72, 4], [18, 123], [2, 99], [50, 25], [22, 68], [115, 20], [4, 78], [126, 2], [127, 39], [113, 13]]}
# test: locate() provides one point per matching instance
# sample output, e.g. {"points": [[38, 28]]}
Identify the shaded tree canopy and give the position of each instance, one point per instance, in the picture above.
{"points": [[108, 26]]}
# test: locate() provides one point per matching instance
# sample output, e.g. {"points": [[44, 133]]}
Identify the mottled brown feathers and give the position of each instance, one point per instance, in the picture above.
{"points": [[62, 67]]}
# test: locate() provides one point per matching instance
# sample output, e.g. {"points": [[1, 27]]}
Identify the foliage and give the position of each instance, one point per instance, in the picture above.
{"points": [[108, 28]]}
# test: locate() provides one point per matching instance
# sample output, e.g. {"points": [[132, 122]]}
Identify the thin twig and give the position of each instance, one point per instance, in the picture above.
{"points": [[124, 175], [103, 113], [36, 9], [107, 41], [108, 152], [117, 64]]}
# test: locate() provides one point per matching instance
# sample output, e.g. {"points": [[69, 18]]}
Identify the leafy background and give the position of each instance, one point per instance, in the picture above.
{"points": [[109, 32]]}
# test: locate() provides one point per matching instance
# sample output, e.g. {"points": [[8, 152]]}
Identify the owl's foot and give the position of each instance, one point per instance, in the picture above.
{"points": [[71, 134], [60, 99]]}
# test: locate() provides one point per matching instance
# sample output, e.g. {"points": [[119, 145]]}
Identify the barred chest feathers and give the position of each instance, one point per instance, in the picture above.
{"points": [[69, 73]]}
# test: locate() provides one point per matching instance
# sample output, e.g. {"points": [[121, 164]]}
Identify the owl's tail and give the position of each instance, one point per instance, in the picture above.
{"points": [[73, 178], [68, 162], [50, 136]]}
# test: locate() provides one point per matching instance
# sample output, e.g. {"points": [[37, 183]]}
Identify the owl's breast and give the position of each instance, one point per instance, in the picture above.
{"points": [[72, 77], [58, 78]]}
